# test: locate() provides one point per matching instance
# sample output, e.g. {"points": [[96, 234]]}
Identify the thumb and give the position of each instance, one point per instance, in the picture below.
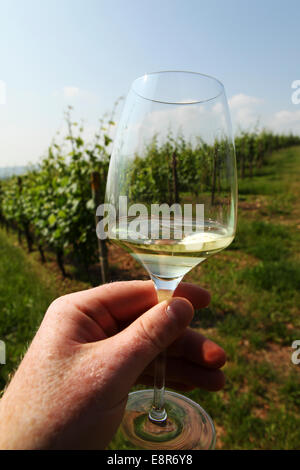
{"points": [[151, 333]]}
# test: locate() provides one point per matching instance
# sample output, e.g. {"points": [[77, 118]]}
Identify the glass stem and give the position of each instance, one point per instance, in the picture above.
{"points": [[158, 414]]}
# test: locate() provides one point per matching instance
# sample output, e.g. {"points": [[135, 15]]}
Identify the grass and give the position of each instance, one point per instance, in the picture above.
{"points": [[263, 239], [26, 290], [277, 276], [253, 315], [24, 299]]}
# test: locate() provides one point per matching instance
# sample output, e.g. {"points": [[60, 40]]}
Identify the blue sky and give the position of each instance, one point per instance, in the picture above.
{"points": [[87, 53]]}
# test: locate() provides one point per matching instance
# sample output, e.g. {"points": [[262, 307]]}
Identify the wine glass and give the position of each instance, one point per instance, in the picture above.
{"points": [[171, 193]]}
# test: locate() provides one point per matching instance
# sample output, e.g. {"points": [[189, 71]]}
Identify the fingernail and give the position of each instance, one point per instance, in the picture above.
{"points": [[181, 310]]}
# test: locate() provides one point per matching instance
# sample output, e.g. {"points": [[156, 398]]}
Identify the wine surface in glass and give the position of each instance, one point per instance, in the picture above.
{"points": [[169, 258]]}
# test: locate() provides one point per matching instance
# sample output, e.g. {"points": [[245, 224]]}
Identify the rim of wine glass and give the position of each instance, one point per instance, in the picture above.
{"points": [[177, 102]]}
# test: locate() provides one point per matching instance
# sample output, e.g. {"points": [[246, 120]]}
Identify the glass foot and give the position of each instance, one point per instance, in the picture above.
{"points": [[188, 426]]}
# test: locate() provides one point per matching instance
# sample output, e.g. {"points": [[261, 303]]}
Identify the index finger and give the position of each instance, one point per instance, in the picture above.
{"points": [[127, 300], [196, 348]]}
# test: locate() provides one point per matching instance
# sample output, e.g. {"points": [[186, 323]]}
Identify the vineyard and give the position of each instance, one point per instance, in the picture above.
{"points": [[52, 206], [48, 215], [143, 145]]}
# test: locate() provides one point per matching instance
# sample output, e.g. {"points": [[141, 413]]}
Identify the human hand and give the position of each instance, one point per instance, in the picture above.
{"points": [[71, 388]]}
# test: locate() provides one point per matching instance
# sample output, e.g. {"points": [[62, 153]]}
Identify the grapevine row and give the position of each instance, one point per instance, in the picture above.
{"points": [[53, 204]]}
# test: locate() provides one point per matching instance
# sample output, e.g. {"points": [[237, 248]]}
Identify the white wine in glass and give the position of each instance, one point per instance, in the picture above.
{"points": [[174, 164], [171, 258]]}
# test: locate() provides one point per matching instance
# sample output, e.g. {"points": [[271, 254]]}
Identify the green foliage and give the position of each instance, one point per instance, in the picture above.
{"points": [[253, 149], [52, 203], [178, 166], [162, 171]]}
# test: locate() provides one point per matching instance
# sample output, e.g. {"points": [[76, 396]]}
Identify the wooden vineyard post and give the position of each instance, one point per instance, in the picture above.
{"points": [[175, 178], [102, 247], [25, 223]]}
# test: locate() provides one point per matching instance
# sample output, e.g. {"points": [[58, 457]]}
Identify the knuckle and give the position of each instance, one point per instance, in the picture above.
{"points": [[59, 304]]}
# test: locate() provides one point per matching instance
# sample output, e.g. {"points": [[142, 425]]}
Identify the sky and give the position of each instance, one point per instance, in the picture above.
{"points": [[86, 53]]}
